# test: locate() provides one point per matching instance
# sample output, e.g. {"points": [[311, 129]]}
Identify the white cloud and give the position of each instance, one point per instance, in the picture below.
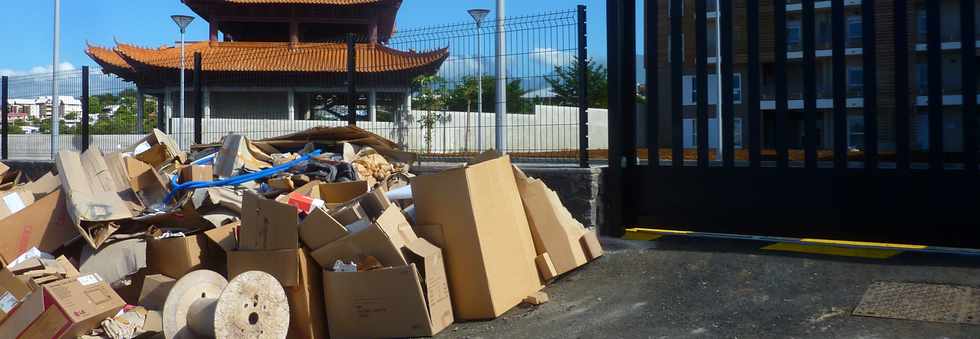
{"points": [[64, 66], [551, 57]]}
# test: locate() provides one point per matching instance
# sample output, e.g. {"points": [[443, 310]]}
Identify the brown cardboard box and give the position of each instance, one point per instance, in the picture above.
{"points": [[590, 242], [150, 188], [14, 201], [372, 241], [281, 264], [553, 228], [268, 225], [155, 290], [349, 214], [546, 268], [93, 199], [334, 194], [320, 229], [175, 257], [44, 224], [486, 237], [63, 309], [12, 290], [157, 149], [305, 293], [404, 301], [197, 173], [43, 186]]}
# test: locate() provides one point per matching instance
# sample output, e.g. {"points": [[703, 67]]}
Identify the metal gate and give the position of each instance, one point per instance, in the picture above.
{"points": [[782, 182]]}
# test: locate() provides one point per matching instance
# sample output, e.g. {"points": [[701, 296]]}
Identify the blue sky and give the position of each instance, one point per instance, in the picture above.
{"points": [[28, 46]]}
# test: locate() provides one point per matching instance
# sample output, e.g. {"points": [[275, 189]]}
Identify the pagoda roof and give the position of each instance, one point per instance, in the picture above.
{"points": [[127, 60]]}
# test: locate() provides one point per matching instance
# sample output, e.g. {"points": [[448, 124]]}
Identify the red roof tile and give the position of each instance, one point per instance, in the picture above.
{"points": [[271, 57]]}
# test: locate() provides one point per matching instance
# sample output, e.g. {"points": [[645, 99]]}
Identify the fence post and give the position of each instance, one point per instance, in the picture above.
{"points": [[351, 86], [161, 112], [198, 99], [4, 83], [583, 88], [85, 109]]}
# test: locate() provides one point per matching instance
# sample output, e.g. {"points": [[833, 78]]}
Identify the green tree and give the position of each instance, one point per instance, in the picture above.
{"points": [[463, 97], [431, 96], [566, 80]]}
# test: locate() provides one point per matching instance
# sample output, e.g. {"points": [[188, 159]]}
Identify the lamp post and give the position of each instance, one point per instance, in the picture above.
{"points": [[55, 102], [182, 22], [478, 16], [501, 144]]}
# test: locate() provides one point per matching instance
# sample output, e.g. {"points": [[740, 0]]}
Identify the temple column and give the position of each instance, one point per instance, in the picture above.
{"points": [[373, 105], [169, 109], [140, 101], [291, 99], [207, 103]]}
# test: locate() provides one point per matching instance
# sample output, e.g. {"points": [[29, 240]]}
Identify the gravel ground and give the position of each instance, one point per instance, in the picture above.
{"points": [[679, 287]]}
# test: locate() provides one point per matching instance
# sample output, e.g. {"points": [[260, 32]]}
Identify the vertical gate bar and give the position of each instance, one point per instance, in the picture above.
{"points": [[701, 80], [870, 85], [726, 77], [651, 61], [351, 77], [934, 47], [755, 117], [676, 82], [968, 49], [629, 83], [5, 110], [840, 86], [583, 88], [779, 70], [902, 90], [198, 99], [85, 109], [809, 84], [615, 218]]}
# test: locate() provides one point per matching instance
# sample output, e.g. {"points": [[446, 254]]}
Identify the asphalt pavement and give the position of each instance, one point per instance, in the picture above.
{"points": [[679, 287]]}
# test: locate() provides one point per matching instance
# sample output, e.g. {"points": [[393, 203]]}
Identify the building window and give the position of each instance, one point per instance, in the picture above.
{"points": [[855, 82], [922, 25], [855, 132], [922, 74], [691, 91], [670, 45], [854, 30], [670, 3], [793, 34]]}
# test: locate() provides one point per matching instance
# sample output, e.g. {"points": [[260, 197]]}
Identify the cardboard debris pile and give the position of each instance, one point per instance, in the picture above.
{"points": [[332, 214]]}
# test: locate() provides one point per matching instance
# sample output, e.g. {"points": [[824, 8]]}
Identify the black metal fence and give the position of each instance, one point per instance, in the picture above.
{"points": [[875, 159], [434, 106]]}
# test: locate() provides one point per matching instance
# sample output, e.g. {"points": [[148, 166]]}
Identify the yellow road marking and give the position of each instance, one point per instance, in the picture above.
{"points": [[642, 236], [865, 244], [870, 253]]}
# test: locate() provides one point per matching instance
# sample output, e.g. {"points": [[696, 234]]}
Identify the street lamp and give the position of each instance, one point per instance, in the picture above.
{"points": [[182, 22], [478, 15]]}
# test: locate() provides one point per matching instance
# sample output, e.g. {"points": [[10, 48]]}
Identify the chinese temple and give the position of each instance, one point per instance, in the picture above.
{"points": [[280, 59]]}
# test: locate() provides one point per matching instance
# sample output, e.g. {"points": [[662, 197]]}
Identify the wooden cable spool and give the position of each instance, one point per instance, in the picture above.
{"points": [[203, 304]]}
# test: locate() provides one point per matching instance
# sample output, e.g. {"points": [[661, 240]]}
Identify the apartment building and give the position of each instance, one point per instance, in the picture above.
{"points": [[854, 51]]}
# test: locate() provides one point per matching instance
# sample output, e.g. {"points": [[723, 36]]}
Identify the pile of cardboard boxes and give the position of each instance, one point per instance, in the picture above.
{"points": [[351, 248]]}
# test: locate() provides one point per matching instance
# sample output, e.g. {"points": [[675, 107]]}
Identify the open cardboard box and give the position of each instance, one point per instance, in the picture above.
{"points": [[175, 257], [44, 224], [555, 232], [489, 251], [63, 309], [401, 301], [95, 202]]}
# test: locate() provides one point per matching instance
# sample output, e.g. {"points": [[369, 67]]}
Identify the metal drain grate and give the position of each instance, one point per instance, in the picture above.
{"points": [[922, 302]]}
